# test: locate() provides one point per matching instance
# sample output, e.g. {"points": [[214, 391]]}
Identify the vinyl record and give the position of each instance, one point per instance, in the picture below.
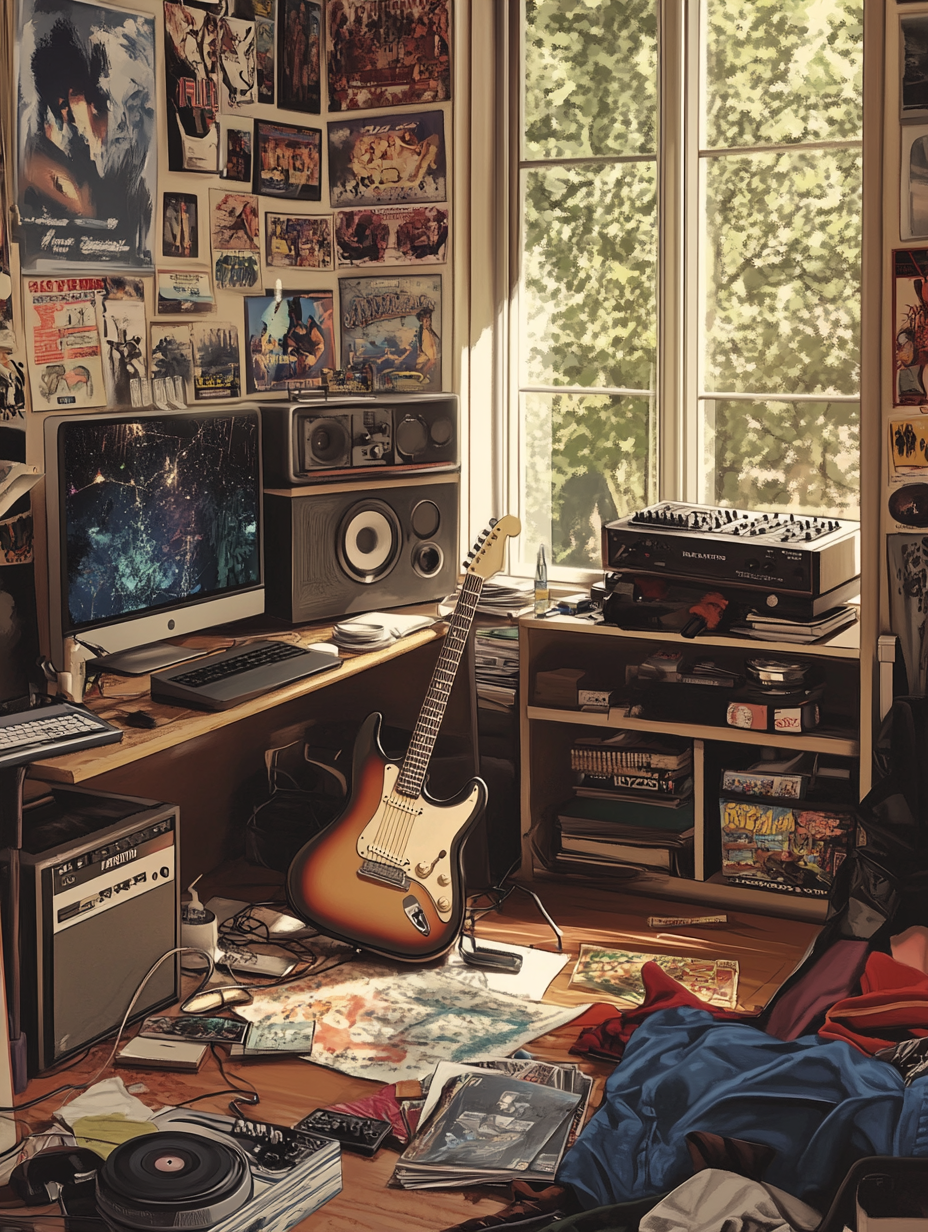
{"points": [[172, 1179], [909, 505]]}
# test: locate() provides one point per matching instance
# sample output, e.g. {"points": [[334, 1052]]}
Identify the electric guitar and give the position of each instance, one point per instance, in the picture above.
{"points": [[387, 874]]}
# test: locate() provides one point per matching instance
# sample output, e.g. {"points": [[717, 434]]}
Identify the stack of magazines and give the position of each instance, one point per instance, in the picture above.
{"points": [[769, 628], [494, 1122], [501, 596], [496, 659]]}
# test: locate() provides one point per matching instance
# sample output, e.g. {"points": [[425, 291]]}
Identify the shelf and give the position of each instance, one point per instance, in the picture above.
{"points": [[822, 741]]}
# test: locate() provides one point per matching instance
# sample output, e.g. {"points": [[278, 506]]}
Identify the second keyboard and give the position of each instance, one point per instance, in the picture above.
{"points": [[233, 676]]}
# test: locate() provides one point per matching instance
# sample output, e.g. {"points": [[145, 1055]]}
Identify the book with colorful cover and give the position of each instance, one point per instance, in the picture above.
{"points": [[617, 973], [794, 850]]}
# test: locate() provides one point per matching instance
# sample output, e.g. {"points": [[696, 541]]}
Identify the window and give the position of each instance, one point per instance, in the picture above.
{"points": [[686, 317]]}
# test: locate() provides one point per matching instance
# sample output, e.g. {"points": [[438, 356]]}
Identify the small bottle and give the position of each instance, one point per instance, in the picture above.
{"points": [[542, 594]]}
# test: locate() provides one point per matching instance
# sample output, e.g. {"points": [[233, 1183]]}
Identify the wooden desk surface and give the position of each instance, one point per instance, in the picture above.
{"points": [[767, 950], [178, 724]]}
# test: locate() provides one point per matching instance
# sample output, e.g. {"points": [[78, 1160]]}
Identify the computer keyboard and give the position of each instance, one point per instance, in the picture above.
{"points": [[239, 674], [62, 728]]}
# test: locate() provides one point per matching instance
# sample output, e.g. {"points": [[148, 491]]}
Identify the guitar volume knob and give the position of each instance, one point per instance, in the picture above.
{"points": [[444, 879], [422, 869], [443, 903]]}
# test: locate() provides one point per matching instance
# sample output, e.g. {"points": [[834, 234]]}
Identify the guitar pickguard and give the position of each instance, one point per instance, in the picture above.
{"points": [[411, 840]]}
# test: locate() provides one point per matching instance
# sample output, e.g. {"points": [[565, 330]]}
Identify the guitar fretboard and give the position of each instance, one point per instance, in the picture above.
{"points": [[419, 754]]}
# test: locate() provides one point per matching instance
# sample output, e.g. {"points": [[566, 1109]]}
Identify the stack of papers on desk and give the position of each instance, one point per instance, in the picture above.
{"points": [[501, 596], [375, 630]]}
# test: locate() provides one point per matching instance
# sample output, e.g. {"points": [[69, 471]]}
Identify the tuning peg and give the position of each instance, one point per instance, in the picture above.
{"points": [[493, 522]]}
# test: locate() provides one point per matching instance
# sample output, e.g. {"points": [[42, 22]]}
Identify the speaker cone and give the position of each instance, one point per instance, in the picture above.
{"points": [[411, 436], [441, 431], [328, 441], [427, 559], [425, 520], [369, 541]]}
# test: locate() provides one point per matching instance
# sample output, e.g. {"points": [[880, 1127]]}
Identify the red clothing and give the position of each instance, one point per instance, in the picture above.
{"points": [[892, 1006]]}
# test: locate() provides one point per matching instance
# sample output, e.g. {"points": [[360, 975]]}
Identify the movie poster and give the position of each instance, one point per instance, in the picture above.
{"points": [[64, 350], [393, 325], [238, 154], [238, 70], [179, 228], [298, 242], [289, 341], [171, 363], [236, 271], [401, 235], [299, 43], [191, 37], [288, 161], [910, 325], [388, 161], [388, 55], [87, 154], [124, 358], [264, 58], [216, 370]]}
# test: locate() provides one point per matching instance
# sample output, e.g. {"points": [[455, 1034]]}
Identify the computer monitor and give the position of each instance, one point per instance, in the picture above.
{"points": [[154, 530]]}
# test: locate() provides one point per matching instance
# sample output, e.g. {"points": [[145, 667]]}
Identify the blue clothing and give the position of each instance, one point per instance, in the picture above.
{"points": [[819, 1103]]}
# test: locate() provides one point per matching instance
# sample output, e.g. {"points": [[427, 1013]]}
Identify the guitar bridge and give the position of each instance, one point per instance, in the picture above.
{"points": [[392, 874]]}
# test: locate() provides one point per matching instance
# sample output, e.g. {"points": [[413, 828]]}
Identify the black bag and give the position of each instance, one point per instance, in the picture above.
{"points": [[299, 797]]}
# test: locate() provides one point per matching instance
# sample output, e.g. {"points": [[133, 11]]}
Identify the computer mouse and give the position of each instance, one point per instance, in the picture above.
{"points": [[141, 718]]}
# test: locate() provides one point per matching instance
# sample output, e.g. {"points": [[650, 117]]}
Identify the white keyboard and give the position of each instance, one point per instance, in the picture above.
{"points": [[62, 728]]}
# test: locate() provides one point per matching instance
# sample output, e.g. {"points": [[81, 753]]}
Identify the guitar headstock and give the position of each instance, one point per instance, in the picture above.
{"points": [[486, 556]]}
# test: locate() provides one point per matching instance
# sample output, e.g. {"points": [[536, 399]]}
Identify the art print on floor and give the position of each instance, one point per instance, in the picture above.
{"points": [[399, 235], [388, 161], [124, 350], [388, 55], [236, 271], [264, 57], [180, 235], [233, 221], [617, 973], [216, 369], [184, 292], [913, 99], [910, 325], [298, 242], [393, 325], [191, 66], [238, 72], [289, 341], [238, 154], [64, 348], [299, 55], [288, 161], [86, 149]]}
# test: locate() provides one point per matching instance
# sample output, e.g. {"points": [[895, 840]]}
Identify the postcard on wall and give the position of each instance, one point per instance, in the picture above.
{"points": [[264, 58], [191, 88], [180, 236], [124, 328], [64, 350], [236, 271], [393, 325], [288, 161], [216, 367], [908, 446], [172, 357], [913, 194], [288, 341], [398, 235], [238, 72], [388, 55], [910, 325], [299, 55], [913, 97], [617, 973], [233, 221], [387, 161], [86, 186], [297, 241], [184, 292], [237, 161]]}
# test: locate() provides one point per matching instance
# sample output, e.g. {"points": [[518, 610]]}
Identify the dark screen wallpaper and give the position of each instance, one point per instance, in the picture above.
{"points": [[157, 511]]}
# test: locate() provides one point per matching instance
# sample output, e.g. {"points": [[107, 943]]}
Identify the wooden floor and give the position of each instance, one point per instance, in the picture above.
{"points": [[767, 949]]}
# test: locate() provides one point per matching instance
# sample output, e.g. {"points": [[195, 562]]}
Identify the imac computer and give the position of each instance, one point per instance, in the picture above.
{"points": [[154, 531]]}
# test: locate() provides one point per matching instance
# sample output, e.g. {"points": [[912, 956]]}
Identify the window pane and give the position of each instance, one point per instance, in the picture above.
{"points": [[779, 71], [588, 295], [586, 460], [774, 455], [590, 78], [782, 272]]}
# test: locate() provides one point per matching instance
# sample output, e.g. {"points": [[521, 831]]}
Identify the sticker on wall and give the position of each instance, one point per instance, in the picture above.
{"points": [[238, 154], [388, 161], [87, 154], [216, 368], [64, 353], [394, 326], [233, 221], [236, 271], [124, 350], [403, 235], [184, 292], [909, 505], [180, 236], [288, 161], [298, 242], [191, 89], [238, 71], [910, 325], [388, 55], [289, 340], [299, 60]]}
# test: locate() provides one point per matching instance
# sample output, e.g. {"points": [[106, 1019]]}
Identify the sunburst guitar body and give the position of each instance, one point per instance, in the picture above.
{"points": [[387, 875]]}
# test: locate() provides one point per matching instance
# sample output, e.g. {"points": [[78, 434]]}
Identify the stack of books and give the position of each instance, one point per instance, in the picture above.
{"points": [[493, 1122], [501, 596], [496, 660], [768, 628], [632, 804]]}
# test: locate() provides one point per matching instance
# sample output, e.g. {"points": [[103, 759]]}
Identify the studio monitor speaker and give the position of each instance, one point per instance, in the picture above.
{"points": [[356, 547]]}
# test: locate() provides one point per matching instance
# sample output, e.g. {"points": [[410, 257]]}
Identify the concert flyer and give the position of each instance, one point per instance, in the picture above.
{"points": [[63, 342]]}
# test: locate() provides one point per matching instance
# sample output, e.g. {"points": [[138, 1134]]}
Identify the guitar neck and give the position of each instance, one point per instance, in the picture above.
{"points": [[419, 753]]}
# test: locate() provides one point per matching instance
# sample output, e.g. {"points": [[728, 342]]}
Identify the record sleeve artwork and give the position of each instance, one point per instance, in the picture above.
{"points": [[299, 43], [290, 341], [392, 160], [86, 150], [191, 37], [388, 55], [394, 326]]}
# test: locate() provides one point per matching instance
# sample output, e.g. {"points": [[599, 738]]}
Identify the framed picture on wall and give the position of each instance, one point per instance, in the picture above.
{"points": [[298, 241], [180, 236], [288, 161], [299, 55], [913, 95], [390, 160]]}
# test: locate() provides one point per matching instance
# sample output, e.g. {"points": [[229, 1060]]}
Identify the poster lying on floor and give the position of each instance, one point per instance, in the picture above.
{"points": [[86, 148], [394, 326], [64, 352]]}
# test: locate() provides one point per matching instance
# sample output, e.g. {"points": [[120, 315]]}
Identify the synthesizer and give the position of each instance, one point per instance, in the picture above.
{"points": [[779, 556]]}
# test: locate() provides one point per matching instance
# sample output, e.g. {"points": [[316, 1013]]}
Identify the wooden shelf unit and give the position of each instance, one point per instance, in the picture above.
{"points": [[604, 651]]}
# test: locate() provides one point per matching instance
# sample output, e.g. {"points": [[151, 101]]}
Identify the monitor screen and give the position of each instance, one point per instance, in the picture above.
{"points": [[156, 512]]}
